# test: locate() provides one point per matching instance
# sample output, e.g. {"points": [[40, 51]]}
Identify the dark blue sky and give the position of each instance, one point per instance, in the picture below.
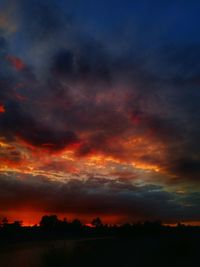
{"points": [[145, 23], [169, 21]]}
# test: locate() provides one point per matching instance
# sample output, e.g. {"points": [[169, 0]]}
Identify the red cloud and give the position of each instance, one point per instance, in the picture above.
{"points": [[2, 109], [16, 62]]}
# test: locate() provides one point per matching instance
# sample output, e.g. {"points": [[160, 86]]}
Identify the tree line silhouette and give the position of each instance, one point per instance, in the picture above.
{"points": [[50, 226]]}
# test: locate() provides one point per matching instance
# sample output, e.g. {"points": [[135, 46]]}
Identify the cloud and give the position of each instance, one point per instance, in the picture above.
{"points": [[45, 19], [97, 196], [16, 62], [63, 90], [186, 168], [7, 22]]}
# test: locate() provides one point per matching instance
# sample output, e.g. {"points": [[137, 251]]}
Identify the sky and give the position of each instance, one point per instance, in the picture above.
{"points": [[99, 110]]}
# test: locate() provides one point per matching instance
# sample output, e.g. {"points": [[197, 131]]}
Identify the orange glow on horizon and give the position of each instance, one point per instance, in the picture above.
{"points": [[31, 218]]}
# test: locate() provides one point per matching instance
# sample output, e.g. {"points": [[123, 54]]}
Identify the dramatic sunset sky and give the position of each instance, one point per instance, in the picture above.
{"points": [[100, 110]]}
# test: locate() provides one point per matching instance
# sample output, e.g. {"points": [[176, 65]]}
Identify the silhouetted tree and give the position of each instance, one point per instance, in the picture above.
{"points": [[97, 222], [13, 227], [180, 225], [4, 222], [17, 224], [49, 222], [77, 223]]}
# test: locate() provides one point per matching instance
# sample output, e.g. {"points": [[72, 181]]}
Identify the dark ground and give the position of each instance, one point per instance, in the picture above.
{"points": [[171, 250]]}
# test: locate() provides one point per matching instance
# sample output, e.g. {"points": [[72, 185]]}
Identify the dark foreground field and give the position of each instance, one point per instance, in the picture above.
{"points": [[150, 250]]}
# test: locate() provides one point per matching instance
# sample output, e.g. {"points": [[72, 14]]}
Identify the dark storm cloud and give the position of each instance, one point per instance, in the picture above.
{"points": [[16, 123], [98, 196], [187, 167], [77, 90], [45, 19], [3, 44], [63, 63]]}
